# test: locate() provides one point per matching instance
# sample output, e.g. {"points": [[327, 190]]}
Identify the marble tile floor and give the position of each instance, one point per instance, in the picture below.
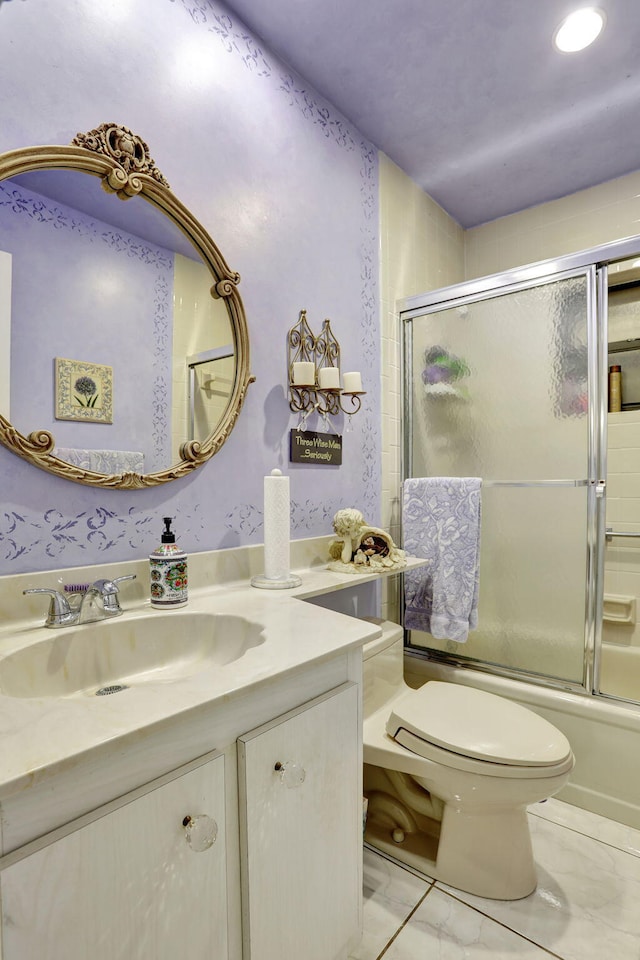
{"points": [[586, 905]]}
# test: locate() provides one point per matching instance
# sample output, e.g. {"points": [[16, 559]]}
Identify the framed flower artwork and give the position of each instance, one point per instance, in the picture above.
{"points": [[84, 391]]}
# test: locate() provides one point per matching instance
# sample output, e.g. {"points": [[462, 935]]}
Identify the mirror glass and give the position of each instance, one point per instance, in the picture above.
{"points": [[126, 357], [109, 283]]}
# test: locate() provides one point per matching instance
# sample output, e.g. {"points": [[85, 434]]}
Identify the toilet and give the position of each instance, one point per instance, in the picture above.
{"points": [[449, 772]]}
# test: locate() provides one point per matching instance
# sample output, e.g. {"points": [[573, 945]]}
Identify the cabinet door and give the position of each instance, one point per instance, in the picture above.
{"points": [[129, 885], [301, 831]]}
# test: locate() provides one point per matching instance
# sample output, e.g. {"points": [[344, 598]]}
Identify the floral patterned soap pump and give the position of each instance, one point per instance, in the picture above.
{"points": [[168, 571]]}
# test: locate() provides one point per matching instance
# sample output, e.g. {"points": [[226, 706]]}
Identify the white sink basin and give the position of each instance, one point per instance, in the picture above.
{"points": [[127, 651]]}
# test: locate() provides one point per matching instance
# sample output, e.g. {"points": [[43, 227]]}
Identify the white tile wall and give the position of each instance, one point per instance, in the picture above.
{"points": [[584, 219]]}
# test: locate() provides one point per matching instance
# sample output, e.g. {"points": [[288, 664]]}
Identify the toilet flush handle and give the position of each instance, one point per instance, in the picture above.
{"points": [[292, 774]]}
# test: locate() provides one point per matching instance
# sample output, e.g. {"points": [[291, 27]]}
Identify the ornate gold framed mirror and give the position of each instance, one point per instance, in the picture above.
{"points": [[124, 335]]}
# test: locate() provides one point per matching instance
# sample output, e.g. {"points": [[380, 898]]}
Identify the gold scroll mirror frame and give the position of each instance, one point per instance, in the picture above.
{"points": [[121, 159]]}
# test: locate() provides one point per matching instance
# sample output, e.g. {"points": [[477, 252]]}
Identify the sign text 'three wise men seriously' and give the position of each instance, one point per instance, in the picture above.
{"points": [[320, 448]]}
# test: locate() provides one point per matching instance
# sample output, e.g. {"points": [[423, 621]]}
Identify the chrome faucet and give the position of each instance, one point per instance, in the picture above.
{"points": [[98, 602]]}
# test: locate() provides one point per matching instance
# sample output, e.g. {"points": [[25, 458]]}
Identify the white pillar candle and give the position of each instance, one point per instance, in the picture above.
{"points": [[329, 378], [304, 373], [352, 382]]}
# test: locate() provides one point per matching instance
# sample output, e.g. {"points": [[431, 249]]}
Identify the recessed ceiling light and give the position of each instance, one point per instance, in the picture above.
{"points": [[579, 29]]}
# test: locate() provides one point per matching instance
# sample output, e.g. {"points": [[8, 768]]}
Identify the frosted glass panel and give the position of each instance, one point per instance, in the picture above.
{"points": [[533, 564], [499, 390], [499, 386]]}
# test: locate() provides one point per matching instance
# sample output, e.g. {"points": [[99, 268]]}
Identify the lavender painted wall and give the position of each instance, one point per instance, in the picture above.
{"points": [[289, 192], [84, 290]]}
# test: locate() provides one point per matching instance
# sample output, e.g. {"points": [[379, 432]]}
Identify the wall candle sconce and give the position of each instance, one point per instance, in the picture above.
{"points": [[314, 373]]}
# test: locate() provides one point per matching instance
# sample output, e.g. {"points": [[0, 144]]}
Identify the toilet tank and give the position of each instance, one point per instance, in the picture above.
{"points": [[382, 668]]}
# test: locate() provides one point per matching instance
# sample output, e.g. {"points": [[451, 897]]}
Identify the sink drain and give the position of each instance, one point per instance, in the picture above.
{"points": [[113, 688]]}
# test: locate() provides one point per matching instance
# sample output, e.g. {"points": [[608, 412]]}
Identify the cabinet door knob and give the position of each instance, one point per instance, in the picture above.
{"points": [[292, 774], [201, 832]]}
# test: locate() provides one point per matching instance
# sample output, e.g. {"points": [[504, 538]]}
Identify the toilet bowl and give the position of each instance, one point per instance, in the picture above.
{"points": [[449, 773]]}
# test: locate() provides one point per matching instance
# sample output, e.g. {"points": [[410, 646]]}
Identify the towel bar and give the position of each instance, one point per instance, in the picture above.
{"points": [[535, 483], [610, 533]]}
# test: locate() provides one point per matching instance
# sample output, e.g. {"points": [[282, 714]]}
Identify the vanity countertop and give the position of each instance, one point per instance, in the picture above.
{"points": [[42, 736]]}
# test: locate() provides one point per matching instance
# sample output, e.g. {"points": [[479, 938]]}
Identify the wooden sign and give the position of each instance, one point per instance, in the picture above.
{"points": [[322, 449]]}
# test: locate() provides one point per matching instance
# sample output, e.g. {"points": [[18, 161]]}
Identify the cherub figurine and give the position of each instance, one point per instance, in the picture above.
{"points": [[362, 549]]}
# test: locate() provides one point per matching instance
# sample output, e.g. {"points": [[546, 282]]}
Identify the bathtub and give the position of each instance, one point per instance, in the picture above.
{"points": [[620, 671], [604, 734]]}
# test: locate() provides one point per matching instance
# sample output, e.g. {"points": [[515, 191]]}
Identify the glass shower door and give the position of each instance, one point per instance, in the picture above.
{"points": [[498, 388], [618, 675]]}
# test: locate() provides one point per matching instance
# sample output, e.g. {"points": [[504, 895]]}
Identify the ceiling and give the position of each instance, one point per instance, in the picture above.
{"points": [[468, 96]]}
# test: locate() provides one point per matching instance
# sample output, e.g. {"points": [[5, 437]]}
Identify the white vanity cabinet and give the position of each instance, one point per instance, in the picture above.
{"points": [[96, 862], [127, 882], [301, 831]]}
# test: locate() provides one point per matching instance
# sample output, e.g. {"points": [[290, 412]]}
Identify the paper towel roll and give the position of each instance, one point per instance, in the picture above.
{"points": [[276, 526]]}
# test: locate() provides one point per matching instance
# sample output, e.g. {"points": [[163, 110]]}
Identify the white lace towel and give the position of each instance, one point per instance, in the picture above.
{"points": [[441, 523]]}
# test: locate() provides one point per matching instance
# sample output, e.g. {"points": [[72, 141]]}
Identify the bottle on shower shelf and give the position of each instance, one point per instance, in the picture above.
{"points": [[615, 388]]}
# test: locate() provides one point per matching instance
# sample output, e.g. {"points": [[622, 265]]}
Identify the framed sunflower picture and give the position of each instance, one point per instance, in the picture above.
{"points": [[84, 391]]}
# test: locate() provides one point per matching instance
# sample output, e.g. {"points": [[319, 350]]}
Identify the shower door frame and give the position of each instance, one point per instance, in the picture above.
{"points": [[593, 264]]}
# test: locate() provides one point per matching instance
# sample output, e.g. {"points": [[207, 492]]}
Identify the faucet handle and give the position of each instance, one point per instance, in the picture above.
{"points": [[108, 590], [60, 612]]}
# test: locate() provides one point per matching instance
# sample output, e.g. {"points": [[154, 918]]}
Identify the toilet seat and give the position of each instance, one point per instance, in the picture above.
{"points": [[465, 725]]}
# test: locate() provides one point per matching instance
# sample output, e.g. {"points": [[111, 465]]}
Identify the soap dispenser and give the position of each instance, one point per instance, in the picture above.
{"points": [[168, 571]]}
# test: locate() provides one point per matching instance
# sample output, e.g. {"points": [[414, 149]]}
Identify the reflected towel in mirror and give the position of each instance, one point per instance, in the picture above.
{"points": [[102, 461]]}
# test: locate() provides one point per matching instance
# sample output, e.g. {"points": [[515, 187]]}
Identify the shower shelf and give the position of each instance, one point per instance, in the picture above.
{"points": [[445, 391], [623, 346], [618, 609], [619, 349]]}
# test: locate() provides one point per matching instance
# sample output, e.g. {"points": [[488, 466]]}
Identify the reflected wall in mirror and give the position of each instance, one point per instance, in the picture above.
{"points": [[137, 286]]}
